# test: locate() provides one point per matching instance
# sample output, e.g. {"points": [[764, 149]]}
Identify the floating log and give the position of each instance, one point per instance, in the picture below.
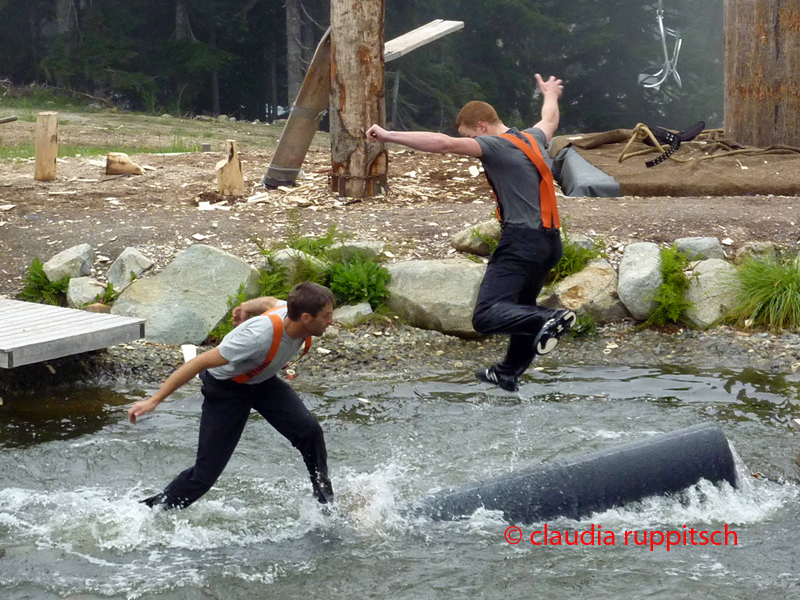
{"points": [[119, 163], [577, 486], [46, 146], [230, 176]]}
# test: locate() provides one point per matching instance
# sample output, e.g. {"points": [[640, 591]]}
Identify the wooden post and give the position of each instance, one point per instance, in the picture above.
{"points": [[230, 176], [46, 146], [311, 104], [762, 61], [357, 97]]}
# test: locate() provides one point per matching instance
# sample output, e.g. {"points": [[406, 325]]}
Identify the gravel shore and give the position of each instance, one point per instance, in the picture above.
{"points": [[403, 352]]}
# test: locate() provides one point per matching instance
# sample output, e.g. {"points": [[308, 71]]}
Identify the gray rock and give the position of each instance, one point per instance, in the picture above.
{"points": [[83, 291], [700, 248], [348, 250], [639, 278], [592, 291], [712, 292], [130, 264], [436, 294], [757, 250], [72, 262], [469, 240], [184, 302], [350, 315]]}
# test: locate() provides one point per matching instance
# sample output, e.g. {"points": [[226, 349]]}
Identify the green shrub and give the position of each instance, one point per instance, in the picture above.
{"points": [[574, 259], [225, 326], [585, 326], [489, 240], [39, 288], [108, 296], [670, 297], [769, 295], [359, 280]]}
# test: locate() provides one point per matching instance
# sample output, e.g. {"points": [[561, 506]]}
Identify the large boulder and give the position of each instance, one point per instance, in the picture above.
{"points": [[184, 302], [130, 264], [436, 294], [351, 314], [640, 278], [473, 239], [592, 291], [83, 290], [700, 248], [712, 291], [348, 250], [72, 262]]}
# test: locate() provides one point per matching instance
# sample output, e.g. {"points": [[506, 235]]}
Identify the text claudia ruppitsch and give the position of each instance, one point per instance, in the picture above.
{"points": [[597, 536]]}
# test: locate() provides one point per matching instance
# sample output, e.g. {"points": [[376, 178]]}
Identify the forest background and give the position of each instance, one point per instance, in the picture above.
{"points": [[246, 58]]}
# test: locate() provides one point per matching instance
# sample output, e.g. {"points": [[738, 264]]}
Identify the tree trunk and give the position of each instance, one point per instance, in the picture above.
{"points": [[357, 97], [65, 16], [294, 48], [762, 63]]}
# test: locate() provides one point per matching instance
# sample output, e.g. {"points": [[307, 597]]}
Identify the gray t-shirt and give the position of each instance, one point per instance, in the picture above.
{"points": [[514, 177], [246, 347]]}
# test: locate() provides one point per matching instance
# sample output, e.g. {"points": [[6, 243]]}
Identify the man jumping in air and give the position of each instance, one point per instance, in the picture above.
{"points": [[241, 374], [530, 245]]}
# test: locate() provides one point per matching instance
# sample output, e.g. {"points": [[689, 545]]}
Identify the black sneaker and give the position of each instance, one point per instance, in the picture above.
{"points": [[554, 328], [323, 490], [507, 382]]}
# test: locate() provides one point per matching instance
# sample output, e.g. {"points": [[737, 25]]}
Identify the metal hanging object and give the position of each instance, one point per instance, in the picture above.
{"points": [[670, 67]]}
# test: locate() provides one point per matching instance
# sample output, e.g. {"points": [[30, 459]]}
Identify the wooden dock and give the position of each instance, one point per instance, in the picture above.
{"points": [[32, 333]]}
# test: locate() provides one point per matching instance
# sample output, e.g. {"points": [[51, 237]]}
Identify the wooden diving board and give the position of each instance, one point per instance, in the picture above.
{"points": [[420, 36], [32, 333]]}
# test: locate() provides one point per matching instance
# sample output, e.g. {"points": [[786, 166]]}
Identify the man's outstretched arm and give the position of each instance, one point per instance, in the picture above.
{"points": [[551, 91], [426, 141], [182, 374]]}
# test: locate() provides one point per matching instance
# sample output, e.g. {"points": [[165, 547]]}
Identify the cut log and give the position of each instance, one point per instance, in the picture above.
{"points": [[119, 163], [46, 146], [230, 176], [309, 108], [7, 120]]}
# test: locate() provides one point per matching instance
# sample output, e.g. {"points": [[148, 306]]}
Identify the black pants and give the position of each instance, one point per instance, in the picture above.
{"points": [[507, 297], [226, 408]]}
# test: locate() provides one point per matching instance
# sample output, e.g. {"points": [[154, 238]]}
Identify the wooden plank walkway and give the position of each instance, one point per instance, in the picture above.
{"points": [[31, 333]]}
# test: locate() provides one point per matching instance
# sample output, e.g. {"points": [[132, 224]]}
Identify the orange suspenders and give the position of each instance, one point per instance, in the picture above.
{"points": [[547, 190], [277, 334]]}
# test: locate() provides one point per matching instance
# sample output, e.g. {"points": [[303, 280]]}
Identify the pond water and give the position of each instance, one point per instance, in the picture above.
{"points": [[73, 470]]}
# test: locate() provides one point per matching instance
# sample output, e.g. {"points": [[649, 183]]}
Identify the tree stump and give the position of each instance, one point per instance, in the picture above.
{"points": [[119, 163], [230, 176], [46, 146]]}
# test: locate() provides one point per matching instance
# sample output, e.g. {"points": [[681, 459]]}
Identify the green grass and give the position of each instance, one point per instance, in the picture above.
{"points": [[769, 296], [574, 259], [670, 297], [64, 151]]}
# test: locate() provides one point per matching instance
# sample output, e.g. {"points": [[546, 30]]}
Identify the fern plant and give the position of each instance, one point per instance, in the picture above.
{"points": [[574, 258], [39, 288], [359, 280], [670, 297]]}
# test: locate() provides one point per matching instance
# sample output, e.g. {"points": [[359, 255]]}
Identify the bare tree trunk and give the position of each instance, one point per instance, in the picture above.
{"points": [[762, 63], [215, 100], [183, 31], [66, 17], [357, 97], [294, 48]]}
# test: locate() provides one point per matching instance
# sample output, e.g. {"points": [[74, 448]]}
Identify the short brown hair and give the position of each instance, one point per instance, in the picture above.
{"points": [[476, 111], [307, 297]]}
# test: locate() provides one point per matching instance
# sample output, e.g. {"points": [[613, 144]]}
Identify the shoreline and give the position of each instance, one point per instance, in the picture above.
{"points": [[376, 351]]}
